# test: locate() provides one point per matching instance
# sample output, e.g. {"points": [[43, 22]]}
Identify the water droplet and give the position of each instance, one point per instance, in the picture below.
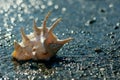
{"points": [[82, 32], [12, 20], [14, 6], [63, 9], [6, 15], [53, 19], [43, 6], [118, 24], [19, 2], [56, 6], [72, 79], [5, 24], [1, 11], [50, 3], [111, 5], [37, 7], [19, 15], [72, 31], [45, 76], [20, 18]]}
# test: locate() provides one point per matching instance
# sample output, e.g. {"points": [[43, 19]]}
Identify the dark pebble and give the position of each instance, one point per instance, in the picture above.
{"points": [[92, 21], [116, 27], [0, 74], [111, 33], [1, 44], [98, 50], [102, 10], [112, 36]]}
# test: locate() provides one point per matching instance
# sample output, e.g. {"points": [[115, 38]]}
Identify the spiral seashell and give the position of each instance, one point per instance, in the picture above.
{"points": [[41, 44]]}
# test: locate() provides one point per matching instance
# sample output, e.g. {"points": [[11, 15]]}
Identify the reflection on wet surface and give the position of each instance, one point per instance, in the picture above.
{"points": [[93, 54]]}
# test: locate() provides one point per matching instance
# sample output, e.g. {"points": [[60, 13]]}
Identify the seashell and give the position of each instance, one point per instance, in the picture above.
{"points": [[41, 44]]}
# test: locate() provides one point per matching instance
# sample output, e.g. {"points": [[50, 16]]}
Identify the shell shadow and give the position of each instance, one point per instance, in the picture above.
{"points": [[36, 64]]}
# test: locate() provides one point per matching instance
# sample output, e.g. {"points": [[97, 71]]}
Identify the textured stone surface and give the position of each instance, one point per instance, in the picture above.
{"points": [[93, 54]]}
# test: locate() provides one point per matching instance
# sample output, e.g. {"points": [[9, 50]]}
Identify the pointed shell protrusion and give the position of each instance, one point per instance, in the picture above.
{"points": [[17, 46], [24, 37], [35, 26], [54, 24], [37, 31], [64, 41], [44, 22]]}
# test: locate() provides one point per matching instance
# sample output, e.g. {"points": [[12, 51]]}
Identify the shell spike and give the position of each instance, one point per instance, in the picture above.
{"points": [[54, 24], [24, 37], [65, 41], [34, 25], [35, 28], [45, 20], [17, 46]]}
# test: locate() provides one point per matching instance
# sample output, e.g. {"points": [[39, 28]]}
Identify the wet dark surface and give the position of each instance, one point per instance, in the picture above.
{"points": [[94, 54]]}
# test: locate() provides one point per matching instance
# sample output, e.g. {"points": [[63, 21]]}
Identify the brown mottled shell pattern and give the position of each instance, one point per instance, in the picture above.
{"points": [[41, 44]]}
